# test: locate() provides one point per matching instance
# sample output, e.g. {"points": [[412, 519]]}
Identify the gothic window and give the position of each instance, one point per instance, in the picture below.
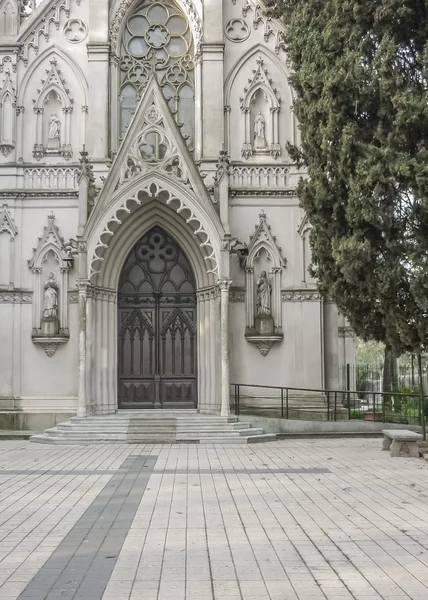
{"points": [[157, 38]]}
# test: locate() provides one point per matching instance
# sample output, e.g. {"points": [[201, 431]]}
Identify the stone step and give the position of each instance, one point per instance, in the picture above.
{"points": [[251, 431], [144, 427], [150, 427]]}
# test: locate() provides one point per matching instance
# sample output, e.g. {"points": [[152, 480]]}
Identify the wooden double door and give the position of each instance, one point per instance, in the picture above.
{"points": [[157, 351]]}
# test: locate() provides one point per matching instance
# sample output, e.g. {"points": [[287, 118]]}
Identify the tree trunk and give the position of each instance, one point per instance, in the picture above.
{"points": [[390, 378]]}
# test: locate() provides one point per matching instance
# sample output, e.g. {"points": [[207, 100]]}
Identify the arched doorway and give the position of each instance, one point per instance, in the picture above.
{"points": [[157, 325]]}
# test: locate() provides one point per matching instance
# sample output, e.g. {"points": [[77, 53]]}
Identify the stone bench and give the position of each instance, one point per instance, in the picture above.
{"points": [[401, 442]]}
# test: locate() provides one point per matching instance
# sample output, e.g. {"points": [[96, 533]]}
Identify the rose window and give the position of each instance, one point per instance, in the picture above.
{"points": [[157, 39]]}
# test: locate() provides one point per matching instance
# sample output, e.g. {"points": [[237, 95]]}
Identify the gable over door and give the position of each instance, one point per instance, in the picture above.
{"points": [[157, 326]]}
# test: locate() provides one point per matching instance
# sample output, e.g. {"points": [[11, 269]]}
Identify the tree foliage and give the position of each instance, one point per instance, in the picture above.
{"points": [[359, 71]]}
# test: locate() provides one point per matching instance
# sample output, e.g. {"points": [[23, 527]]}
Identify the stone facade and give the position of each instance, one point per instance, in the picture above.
{"points": [[120, 116]]}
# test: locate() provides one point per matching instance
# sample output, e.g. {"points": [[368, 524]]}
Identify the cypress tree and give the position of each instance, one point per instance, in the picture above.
{"points": [[360, 77]]}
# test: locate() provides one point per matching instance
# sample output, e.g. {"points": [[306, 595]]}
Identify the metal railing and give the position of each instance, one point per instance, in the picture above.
{"points": [[328, 405]]}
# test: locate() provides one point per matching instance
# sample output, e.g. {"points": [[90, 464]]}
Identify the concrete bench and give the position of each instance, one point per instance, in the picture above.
{"points": [[401, 442]]}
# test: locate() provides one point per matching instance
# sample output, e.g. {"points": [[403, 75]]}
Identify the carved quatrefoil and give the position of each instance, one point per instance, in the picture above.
{"points": [[75, 31], [237, 30]]}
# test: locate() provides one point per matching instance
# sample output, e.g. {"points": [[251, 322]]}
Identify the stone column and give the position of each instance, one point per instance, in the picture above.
{"points": [[83, 293], [224, 285]]}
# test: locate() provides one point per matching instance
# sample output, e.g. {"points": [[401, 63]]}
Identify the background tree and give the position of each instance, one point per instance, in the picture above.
{"points": [[360, 76]]}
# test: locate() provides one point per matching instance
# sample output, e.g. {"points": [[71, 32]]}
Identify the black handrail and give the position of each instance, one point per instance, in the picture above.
{"points": [[333, 401]]}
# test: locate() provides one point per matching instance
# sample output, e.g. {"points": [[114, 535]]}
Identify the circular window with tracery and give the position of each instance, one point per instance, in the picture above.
{"points": [[157, 38]]}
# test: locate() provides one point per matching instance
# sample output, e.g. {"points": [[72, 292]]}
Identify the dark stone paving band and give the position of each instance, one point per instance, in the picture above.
{"points": [[81, 566]]}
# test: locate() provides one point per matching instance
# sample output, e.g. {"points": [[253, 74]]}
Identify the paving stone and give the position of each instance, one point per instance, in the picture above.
{"points": [[292, 520]]}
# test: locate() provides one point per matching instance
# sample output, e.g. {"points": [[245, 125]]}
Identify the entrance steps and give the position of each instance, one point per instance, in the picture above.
{"points": [[153, 426]]}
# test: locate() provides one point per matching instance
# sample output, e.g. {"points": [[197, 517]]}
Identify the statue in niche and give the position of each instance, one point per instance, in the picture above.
{"points": [[50, 305], [264, 289], [259, 131], [54, 136]]}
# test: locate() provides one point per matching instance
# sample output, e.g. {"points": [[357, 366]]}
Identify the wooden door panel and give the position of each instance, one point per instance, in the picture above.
{"points": [[157, 325]]}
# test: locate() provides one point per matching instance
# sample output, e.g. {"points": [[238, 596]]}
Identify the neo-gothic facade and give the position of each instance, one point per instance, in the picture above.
{"points": [[152, 250]]}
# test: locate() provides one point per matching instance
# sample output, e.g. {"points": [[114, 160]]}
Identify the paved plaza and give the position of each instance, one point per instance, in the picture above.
{"points": [[293, 519]]}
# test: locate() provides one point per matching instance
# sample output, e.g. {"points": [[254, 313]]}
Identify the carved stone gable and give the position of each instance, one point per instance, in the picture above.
{"points": [[55, 81], [7, 224], [262, 238], [153, 148], [260, 79], [50, 240], [153, 143]]}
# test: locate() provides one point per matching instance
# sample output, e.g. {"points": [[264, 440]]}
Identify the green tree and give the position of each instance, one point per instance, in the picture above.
{"points": [[360, 78]]}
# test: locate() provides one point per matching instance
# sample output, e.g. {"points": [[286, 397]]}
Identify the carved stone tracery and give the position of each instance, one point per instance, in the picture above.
{"points": [[154, 148], [157, 39]]}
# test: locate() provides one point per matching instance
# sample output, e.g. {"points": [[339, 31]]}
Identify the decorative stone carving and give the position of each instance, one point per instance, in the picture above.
{"points": [[260, 136], [236, 296], [154, 148], [49, 17], [50, 346], [271, 27], [75, 31], [263, 345], [129, 204], [301, 296], [7, 224], [53, 133], [158, 41], [188, 7], [7, 248], [7, 116], [256, 178], [16, 297], [51, 178], [263, 298], [237, 30], [50, 298]]}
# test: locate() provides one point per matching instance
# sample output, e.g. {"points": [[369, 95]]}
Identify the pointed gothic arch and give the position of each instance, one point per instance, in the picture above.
{"points": [[102, 383], [164, 191]]}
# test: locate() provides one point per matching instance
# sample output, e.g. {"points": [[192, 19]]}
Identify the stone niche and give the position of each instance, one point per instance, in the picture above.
{"points": [[263, 269], [50, 284]]}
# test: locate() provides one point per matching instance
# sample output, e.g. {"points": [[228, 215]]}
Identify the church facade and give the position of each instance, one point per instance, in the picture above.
{"points": [[152, 248]]}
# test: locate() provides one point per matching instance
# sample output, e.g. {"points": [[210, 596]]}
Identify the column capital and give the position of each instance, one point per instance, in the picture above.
{"points": [[224, 284]]}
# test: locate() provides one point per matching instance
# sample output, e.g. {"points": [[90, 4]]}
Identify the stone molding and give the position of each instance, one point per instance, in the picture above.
{"points": [[286, 296], [207, 293], [16, 297], [301, 296], [100, 293]]}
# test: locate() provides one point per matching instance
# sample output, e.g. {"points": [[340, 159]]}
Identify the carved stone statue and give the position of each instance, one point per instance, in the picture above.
{"points": [[50, 305], [259, 131], [54, 135], [264, 289]]}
